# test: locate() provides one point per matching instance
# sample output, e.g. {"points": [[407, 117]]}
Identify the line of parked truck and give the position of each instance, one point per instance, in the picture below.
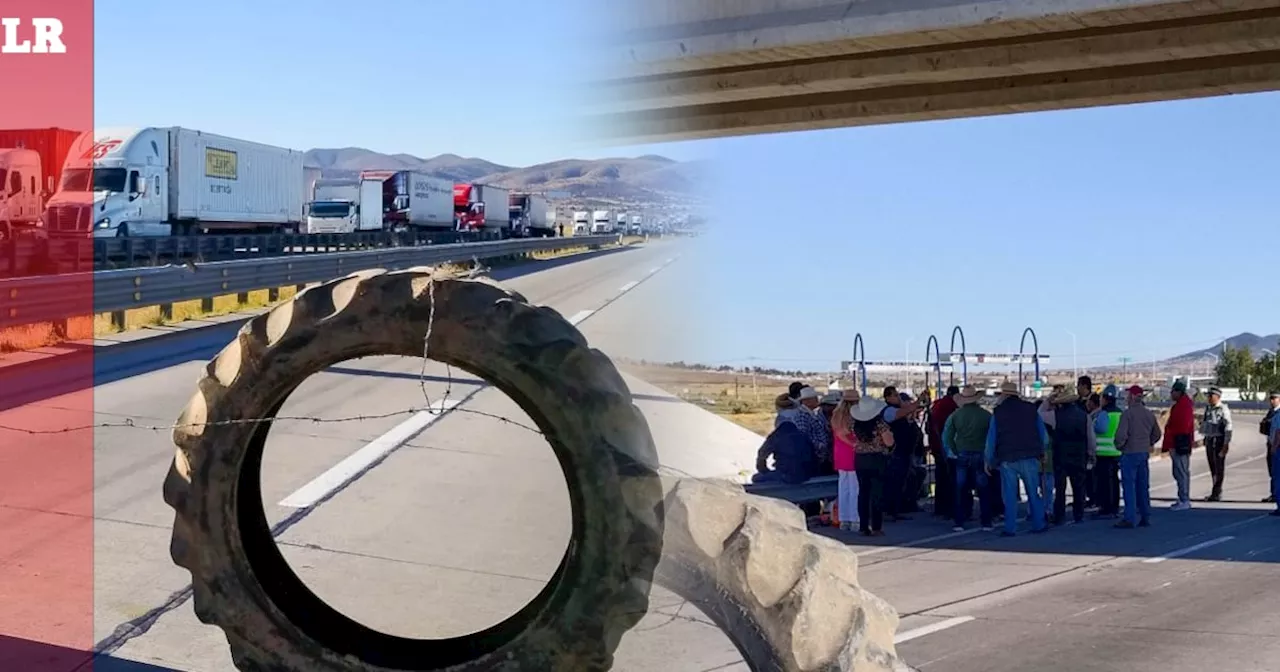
{"points": [[161, 181]]}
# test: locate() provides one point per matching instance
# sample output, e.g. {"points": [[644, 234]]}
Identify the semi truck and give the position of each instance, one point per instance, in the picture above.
{"points": [[482, 207], [398, 200], [602, 221], [35, 157], [581, 222], [532, 215], [637, 225], [160, 181]]}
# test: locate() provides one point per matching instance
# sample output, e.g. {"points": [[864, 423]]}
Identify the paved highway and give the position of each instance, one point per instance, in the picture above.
{"points": [[1195, 591], [465, 518], [460, 524]]}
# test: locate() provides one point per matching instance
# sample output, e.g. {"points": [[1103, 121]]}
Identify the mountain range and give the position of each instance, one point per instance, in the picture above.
{"points": [[647, 178], [1250, 340]]}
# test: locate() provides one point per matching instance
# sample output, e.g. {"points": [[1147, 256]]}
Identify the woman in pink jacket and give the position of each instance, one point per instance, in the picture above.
{"points": [[843, 456]]}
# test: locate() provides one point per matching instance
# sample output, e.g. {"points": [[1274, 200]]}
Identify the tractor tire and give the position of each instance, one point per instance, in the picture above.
{"points": [[272, 621], [788, 599]]}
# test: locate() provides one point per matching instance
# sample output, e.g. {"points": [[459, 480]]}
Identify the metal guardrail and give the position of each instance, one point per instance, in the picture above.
{"points": [[25, 256], [53, 298]]}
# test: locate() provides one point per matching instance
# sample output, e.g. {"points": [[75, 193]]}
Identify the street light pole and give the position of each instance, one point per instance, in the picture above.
{"points": [[1075, 365], [906, 358]]}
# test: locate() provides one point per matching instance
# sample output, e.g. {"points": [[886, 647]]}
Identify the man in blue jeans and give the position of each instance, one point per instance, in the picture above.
{"points": [[1016, 442], [1136, 435], [963, 439], [1273, 445]]}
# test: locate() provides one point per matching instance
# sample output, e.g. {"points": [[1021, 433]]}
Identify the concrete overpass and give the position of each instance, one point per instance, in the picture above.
{"points": [[688, 69]]}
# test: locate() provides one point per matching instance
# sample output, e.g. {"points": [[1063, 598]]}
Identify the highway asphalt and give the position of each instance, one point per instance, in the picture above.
{"points": [[463, 522], [455, 529]]}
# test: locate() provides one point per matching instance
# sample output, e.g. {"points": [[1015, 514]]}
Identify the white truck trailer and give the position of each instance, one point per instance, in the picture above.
{"points": [[581, 222], [400, 200], [175, 181]]}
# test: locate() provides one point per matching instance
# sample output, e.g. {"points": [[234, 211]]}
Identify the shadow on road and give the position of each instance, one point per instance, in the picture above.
{"points": [[24, 655], [1170, 531]]}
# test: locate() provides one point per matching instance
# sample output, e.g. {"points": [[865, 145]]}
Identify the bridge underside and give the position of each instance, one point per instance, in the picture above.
{"points": [[799, 69]]}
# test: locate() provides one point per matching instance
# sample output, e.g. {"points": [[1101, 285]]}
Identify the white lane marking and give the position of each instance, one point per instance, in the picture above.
{"points": [[628, 287], [930, 629], [580, 316], [1206, 474], [356, 463], [917, 542], [653, 270], [1190, 549]]}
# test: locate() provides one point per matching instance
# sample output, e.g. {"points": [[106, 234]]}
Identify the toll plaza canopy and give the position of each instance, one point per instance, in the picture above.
{"points": [[687, 69]]}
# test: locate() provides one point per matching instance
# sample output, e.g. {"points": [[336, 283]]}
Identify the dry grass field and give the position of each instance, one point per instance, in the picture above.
{"points": [[743, 399]]}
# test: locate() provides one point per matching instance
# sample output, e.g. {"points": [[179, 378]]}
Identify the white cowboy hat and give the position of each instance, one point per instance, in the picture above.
{"points": [[1009, 389], [868, 408], [968, 395]]}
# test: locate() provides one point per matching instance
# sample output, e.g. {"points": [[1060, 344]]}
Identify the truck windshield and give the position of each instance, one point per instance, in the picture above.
{"points": [[330, 209], [96, 179]]}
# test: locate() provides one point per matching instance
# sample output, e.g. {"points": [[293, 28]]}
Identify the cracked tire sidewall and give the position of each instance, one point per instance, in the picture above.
{"points": [[573, 393]]}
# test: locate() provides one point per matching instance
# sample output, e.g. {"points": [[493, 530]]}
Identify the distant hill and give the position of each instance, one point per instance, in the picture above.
{"points": [[1254, 342], [645, 178]]}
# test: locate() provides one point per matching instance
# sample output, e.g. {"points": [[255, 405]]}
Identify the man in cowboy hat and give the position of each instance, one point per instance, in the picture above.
{"points": [[1015, 443], [1139, 431], [788, 445], [819, 429], [964, 438], [1215, 425], [1074, 450]]}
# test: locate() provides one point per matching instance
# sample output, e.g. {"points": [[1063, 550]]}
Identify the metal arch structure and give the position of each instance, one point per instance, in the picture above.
{"points": [[860, 359], [964, 359], [937, 362], [1035, 357]]}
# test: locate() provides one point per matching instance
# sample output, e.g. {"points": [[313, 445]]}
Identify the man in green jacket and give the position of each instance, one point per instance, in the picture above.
{"points": [[963, 439]]}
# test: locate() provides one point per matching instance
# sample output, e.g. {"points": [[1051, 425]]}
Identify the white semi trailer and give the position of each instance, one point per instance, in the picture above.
{"points": [[176, 181]]}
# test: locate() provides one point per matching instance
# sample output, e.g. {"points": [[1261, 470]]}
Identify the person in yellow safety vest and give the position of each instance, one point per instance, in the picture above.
{"points": [[1107, 470]]}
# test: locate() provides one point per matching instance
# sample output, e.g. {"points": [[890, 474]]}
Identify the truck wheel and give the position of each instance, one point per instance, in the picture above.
{"points": [[272, 621], [788, 599]]}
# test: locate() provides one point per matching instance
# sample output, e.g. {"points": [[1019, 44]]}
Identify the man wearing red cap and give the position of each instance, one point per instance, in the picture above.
{"points": [[1137, 434]]}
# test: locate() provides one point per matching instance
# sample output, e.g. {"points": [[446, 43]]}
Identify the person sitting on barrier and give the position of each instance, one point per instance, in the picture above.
{"points": [[844, 458], [963, 438], [875, 444], [1015, 443], [1074, 452], [817, 426], [788, 445], [1138, 433]]}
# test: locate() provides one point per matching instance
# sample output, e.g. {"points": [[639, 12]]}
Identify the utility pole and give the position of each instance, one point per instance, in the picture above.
{"points": [[1124, 368]]}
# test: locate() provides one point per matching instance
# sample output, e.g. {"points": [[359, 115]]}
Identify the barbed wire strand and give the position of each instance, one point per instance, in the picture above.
{"points": [[429, 406]]}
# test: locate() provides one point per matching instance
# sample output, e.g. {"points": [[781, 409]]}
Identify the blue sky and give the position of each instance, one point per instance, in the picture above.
{"points": [[1148, 230], [488, 78]]}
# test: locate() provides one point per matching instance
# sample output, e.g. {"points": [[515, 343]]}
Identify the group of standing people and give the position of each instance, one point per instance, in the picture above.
{"points": [[1072, 438]]}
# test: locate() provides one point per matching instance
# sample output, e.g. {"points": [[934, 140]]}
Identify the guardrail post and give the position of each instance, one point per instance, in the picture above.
{"points": [[166, 311], [273, 294], [242, 297], [299, 288], [206, 304], [118, 319]]}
